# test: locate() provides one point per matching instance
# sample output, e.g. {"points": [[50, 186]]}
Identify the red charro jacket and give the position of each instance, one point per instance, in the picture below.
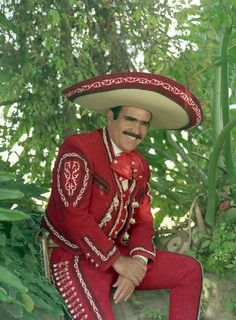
{"points": [[87, 205]]}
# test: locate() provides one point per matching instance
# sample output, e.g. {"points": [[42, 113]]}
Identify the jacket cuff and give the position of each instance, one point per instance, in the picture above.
{"points": [[99, 258], [140, 251]]}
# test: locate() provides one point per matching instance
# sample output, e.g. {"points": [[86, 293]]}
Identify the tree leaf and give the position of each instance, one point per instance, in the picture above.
{"points": [[12, 215], [6, 23], [27, 302], [4, 296], [8, 194], [6, 176], [9, 278], [205, 244], [55, 16]]}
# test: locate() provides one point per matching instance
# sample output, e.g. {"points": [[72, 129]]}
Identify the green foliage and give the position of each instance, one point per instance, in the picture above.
{"points": [[56, 44], [10, 215], [231, 305], [211, 207], [24, 292], [153, 315], [173, 185], [5, 23], [217, 251]]}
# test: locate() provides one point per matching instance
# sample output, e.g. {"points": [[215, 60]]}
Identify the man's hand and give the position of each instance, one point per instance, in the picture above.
{"points": [[125, 288], [132, 268]]}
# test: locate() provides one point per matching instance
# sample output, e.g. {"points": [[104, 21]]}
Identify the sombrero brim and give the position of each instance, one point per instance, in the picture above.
{"points": [[172, 105]]}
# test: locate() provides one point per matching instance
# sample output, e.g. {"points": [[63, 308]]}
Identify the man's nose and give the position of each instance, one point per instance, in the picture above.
{"points": [[137, 127]]}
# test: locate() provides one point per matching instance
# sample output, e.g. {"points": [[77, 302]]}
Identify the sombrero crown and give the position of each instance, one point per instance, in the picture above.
{"points": [[172, 105]]}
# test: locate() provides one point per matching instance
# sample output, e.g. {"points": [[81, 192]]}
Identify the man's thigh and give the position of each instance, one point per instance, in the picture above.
{"points": [[168, 270]]}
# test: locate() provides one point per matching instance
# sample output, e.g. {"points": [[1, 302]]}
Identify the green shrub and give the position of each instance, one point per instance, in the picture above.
{"points": [[24, 291]]}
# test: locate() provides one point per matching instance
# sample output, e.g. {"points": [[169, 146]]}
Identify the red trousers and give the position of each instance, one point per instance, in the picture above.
{"points": [[87, 290]]}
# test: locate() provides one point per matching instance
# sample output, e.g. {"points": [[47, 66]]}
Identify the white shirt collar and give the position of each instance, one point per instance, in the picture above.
{"points": [[116, 149], [117, 152]]}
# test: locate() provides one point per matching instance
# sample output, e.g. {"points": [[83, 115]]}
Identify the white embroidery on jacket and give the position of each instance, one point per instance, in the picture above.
{"points": [[59, 236], [122, 207], [108, 215], [142, 249], [71, 173], [98, 253]]}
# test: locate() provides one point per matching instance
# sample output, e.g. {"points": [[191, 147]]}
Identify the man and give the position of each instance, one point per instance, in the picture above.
{"points": [[99, 210]]}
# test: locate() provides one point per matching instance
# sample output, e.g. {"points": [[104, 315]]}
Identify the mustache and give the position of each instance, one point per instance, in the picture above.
{"points": [[131, 134]]}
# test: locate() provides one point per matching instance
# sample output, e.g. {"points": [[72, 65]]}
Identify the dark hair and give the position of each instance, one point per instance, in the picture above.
{"points": [[116, 111]]}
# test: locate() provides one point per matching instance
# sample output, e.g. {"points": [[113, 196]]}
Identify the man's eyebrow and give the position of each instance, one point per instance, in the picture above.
{"points": [[130, 118]]}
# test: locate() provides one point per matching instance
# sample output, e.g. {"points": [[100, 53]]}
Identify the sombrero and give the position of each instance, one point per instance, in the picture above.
{"points": [[172, 105]]}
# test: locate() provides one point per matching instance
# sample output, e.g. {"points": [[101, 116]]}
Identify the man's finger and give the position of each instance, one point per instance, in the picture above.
{"points": [[118, 294], [122, 294], [124, 289], [116, 284]]}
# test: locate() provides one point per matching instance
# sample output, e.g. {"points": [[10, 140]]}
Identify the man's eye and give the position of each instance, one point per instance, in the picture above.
{"points": [[130, 119], [144, 124]]}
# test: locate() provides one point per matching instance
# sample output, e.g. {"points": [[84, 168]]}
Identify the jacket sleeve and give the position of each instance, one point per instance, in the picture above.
{"points": [[68, 218], [142, 231]]}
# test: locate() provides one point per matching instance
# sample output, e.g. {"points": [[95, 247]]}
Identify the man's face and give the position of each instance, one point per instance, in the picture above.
{"points": [[130, 128]]}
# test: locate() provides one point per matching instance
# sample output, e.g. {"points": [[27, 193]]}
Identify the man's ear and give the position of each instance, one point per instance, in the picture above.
{"points": [[110, 116]]}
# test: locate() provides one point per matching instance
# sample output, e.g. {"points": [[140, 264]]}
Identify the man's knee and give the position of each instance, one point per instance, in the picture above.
{"points": [[194, 270]]}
